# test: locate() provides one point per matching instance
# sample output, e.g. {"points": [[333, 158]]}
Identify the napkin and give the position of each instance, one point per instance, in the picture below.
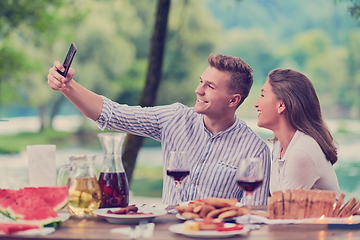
{"points": [[145, 231], [41, 165]]}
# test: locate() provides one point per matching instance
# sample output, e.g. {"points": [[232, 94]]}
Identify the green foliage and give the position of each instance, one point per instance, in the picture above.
{"points": [[18, 142], [318, 38], [152, 176]]}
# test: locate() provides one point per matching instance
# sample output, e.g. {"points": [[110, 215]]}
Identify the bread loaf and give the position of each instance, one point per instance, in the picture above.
{"points": [[300, 204]]}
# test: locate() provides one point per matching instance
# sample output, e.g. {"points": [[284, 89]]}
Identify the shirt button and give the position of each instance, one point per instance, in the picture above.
{"points": [[193, 182], [201, 161], [211, 140]]}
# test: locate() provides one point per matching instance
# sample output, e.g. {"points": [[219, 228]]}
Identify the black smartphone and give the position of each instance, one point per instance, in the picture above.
{"points": [[68, 59]]}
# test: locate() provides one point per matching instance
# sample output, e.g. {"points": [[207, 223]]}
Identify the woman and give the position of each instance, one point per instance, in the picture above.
{"points": [[304, 150]]}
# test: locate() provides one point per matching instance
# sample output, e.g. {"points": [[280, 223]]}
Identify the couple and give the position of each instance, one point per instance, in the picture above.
{"points": [[215, 138]]}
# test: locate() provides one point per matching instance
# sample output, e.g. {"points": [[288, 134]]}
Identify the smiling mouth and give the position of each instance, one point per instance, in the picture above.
{"points": [[202, 101]]}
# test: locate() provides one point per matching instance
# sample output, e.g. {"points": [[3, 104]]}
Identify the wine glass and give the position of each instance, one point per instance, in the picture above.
{"points": [[249, 177], [178, 168]]}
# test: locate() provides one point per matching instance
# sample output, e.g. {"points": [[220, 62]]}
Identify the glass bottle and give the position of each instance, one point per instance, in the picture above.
{"points": [[113, 180], [84, 190]]}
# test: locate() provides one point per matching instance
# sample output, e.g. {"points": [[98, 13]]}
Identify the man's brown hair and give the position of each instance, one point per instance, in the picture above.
{"points": [[241, 77]]}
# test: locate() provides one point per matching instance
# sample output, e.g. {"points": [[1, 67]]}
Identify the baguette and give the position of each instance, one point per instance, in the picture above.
{"points": [[215, 213], [220, 202], [347, 207], [338, 205], [301, 198], [354, 210], [278, 204], [205, 210]]}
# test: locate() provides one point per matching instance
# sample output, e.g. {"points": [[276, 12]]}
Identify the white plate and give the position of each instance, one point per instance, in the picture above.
{"points": [[179, 229], [129, 219], [178, 216], [238, 204]]}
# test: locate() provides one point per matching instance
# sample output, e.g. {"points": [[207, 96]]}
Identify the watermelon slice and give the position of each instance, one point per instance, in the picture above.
{"points": [[36, 206], [33, 211], [7, 197], [55, 197], [9, 228]]}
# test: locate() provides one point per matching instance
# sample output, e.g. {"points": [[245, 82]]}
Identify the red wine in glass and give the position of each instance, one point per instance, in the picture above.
{"points": [[249, 177], [249, 184], [178, 175], [114, 188], [178, 168]]}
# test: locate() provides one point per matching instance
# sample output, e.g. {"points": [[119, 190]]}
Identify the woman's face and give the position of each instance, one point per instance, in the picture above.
{"points": [[268, 107]]}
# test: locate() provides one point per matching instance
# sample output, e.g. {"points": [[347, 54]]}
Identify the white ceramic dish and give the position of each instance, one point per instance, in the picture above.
{"points": [[178, 216], [238, 204], [129, 219], [179, 229]]}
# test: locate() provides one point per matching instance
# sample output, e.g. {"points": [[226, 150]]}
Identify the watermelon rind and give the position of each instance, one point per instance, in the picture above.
{"points": [[36, 206], [9, 228], [33, 212]]}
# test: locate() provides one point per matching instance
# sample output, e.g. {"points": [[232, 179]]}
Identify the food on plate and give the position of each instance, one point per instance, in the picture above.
{"points": [[220, 202], [35, 206], [215, 213], [228, 214], [236, 227], [191, 225], [9, 228], [129, 210], [219, 208], [204, 224], [210, 224], [300, 204], [338, 205], [190, 215]]}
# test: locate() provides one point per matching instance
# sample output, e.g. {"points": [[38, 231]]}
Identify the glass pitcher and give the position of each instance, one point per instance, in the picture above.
{"points": [[113, 180], [84, 190]]}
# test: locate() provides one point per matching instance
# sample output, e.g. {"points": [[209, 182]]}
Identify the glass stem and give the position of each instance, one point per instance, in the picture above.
{"points": [[249, 201], [178, 188]]}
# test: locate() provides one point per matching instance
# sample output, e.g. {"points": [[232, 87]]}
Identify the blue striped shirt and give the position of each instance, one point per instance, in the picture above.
{"points": [[213, 157]]}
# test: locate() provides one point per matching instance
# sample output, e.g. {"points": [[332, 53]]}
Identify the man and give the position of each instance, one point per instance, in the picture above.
{"points": [[213, 136]]}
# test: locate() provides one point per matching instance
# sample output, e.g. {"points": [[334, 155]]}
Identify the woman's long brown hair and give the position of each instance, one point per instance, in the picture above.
{"points": [[303, 108]]}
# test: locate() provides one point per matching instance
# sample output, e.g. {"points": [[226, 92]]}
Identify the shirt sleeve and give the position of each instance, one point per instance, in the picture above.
{"points": [[141, 121], [300, 171]]}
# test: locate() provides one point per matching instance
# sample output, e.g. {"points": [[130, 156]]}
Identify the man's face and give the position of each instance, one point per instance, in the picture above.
{"points": [[212, 93]]}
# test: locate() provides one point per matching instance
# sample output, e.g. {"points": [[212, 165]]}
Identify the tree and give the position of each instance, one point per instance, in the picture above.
{"points": [[28, 31], [354, 8], [133, 143]]}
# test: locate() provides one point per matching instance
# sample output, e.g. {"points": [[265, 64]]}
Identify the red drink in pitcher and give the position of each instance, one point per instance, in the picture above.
{"points": [[115, 189]]}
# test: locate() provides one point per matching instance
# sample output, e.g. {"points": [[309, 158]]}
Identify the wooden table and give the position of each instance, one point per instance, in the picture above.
{"points": [[95, 228]]}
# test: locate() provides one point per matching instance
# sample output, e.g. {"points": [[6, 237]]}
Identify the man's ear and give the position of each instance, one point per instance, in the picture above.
{"points": [[281, 107], [235, 99]]}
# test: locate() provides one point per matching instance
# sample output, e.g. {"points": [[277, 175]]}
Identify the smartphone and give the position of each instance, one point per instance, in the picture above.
{"points": [[68, 59]]}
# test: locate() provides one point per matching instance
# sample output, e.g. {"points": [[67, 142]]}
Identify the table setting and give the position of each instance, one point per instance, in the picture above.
{"points": [[76, 204]]}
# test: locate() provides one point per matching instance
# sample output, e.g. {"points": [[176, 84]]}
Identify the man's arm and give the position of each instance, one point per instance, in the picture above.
{"points": [[89, 103]]}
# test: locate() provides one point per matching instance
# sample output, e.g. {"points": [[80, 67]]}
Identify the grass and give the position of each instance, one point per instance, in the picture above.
{"points": [[16, 143]]}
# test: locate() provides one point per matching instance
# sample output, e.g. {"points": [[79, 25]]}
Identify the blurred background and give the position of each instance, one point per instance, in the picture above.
{"points": [[318, 38]]}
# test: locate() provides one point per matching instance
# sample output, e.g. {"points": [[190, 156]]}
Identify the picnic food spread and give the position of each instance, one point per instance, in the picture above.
{"points": [[300, 204], [207, 224], [32, 208], [219, 208], [129, 210]]}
